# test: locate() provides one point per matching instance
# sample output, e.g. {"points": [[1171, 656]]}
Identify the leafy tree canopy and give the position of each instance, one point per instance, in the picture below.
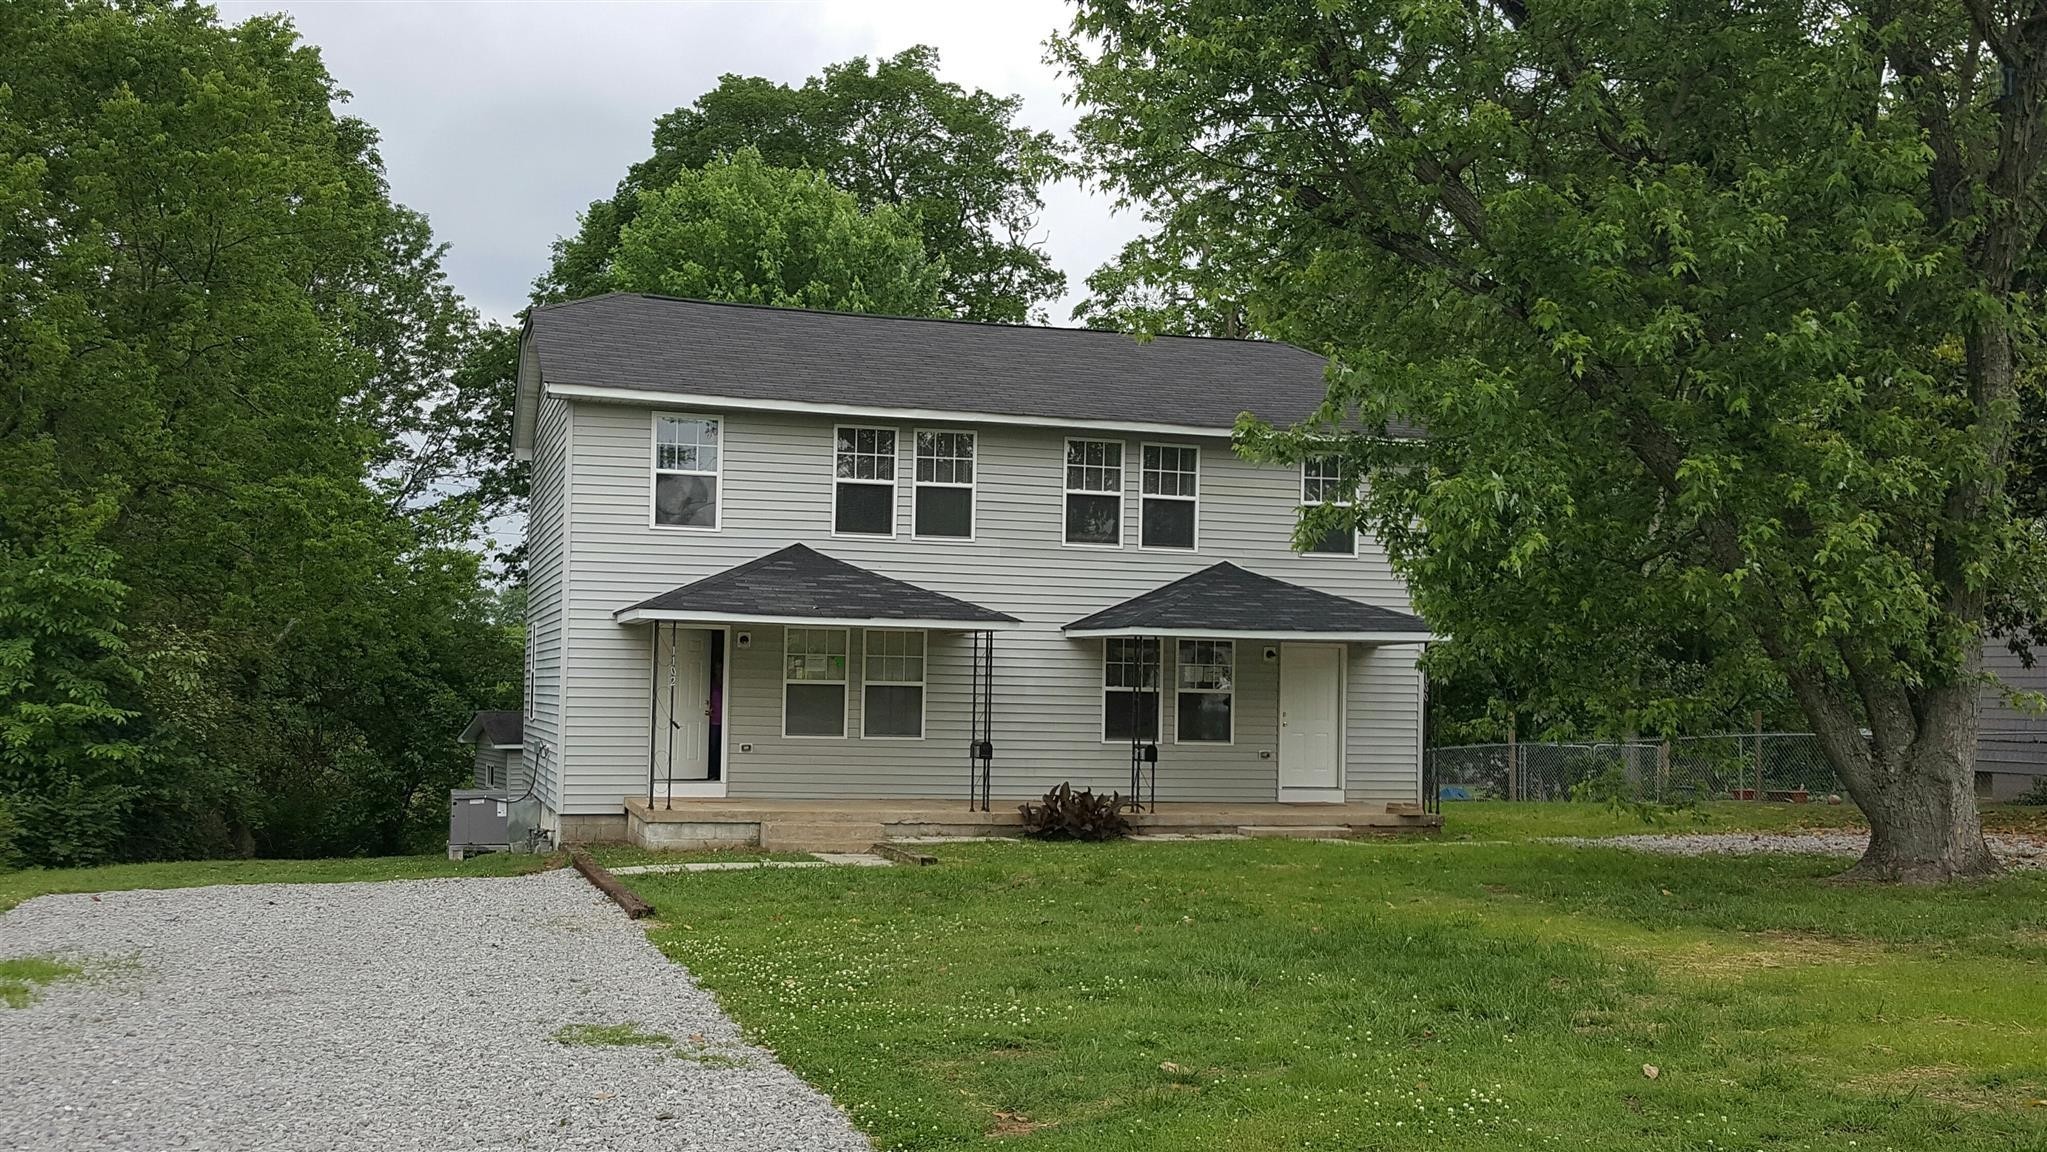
{"points": [[236, 613], [1718, 316], [737, 229], [951, 162]]}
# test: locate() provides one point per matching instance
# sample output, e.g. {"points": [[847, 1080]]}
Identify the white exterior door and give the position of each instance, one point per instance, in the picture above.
{"points": [[1311, 723], [682, 716]]}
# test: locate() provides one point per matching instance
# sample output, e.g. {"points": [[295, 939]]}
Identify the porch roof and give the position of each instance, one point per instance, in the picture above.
{"points": [[802, 586], [1224, 601]]}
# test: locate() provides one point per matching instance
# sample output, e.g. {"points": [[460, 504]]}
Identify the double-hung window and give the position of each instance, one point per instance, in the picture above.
{"points": [[814, 682], [1130, 687], [686, 461], [1171, 496], [1207, 675], [892, 684], [1094, 492], [864, 482], [1323, 481], [944, 483]]}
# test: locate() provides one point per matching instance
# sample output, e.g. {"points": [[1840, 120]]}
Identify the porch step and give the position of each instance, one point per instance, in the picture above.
{"points": [[1295, 831], [820, 835]]}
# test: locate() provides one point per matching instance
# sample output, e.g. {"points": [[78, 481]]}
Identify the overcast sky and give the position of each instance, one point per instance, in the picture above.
{"points": [[502, 121]]}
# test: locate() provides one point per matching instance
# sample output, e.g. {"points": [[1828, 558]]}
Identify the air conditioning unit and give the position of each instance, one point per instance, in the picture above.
{"points": [[477, 822]]}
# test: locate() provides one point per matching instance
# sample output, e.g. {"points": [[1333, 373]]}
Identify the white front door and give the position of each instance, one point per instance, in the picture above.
{"points": [[682, 706], [1311, 722]]}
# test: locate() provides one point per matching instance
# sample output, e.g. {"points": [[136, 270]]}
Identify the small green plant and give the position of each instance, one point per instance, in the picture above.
{"points": [[1065, 814], [610, 1036], [22, 978], [2036, 795], [1612, 787]]}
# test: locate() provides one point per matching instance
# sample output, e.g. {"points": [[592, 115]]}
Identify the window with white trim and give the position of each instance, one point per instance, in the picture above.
{"points": [[892, 684], [1171, 492], [686, 460], [814, 681], [1206, 675], [944, 485], [1130, 688], [1323, 481], [1094, 492], [864, 481]]}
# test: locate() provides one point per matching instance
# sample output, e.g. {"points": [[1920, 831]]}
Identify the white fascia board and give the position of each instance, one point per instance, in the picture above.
{"points": [[662, 399], [676, 616], [1249, 634]]}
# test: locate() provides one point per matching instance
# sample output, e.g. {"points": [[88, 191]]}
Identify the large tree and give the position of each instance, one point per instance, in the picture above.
{"points": [[1717, 315], [890, 132], [236, 611], [738, 229]]}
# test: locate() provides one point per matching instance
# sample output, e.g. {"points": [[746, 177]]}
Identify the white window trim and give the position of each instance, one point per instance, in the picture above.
{"points": [[656, 471], [973, 488], [1142, 496], [844, 683], [1231, 692], [894, 495], [1122, 494], [1103, 689], [1356, 544], [922, 686]]}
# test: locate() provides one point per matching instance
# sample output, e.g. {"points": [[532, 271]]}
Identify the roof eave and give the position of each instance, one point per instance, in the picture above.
{"points": [[1349, 636], [638, 615]]}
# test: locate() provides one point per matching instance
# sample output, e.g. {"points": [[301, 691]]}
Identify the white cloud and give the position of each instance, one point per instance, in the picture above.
{"points": [[502, 121]]}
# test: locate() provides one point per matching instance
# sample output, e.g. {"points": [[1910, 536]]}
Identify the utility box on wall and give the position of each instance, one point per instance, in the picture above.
{"points": [[477, 822]]}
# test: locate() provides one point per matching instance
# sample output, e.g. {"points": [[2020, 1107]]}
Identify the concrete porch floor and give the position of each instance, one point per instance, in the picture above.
{"points": [[852, 825]]}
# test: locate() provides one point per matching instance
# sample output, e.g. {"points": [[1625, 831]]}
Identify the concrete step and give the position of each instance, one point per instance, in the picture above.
{"points": [[1295, 831], [819, 835]]}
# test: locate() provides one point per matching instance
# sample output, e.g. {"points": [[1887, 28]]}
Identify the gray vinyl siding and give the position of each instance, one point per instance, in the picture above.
{"points": [[546, 590], [498, 768], [2010, 740], [777, 489]]}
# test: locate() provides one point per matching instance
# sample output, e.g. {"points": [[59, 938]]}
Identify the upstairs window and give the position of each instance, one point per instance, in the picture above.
{"points": [[814, 682], [944, 485], [1207, 675], [892, 684], [686, 461], [1323, 482], [864, 471], [1171, 495], [1130, 687], [1094, 492]]}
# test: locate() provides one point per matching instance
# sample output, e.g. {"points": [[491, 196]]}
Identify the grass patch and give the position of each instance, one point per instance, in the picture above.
{"points": [[18, 886], [610, 1036], [1271, 994], [22, 977]]}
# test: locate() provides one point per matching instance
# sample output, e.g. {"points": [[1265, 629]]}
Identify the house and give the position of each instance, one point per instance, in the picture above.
{"points": [[498, 737], [805, 559], [2011, 742]]}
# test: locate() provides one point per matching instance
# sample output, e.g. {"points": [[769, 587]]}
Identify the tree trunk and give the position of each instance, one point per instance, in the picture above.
{"points": [[1920, 797]]}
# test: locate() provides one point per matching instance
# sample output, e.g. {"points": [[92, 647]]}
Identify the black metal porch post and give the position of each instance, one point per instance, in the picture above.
{"points": [[653, 705]]}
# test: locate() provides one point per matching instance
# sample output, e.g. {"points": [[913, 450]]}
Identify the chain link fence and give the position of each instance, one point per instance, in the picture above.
{"points": [[1741, 766]]}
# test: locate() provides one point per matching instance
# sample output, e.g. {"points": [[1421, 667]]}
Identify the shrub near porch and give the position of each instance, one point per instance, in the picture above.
{"points": [[1383, 995]]}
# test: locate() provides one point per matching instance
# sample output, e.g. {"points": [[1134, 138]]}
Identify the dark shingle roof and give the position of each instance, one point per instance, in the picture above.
{"points": [[1226, 598], [503, 729], [801, 582], [749, 352]]}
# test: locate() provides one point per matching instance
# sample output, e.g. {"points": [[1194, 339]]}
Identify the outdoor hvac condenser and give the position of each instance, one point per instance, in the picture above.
{"points": [[476, 822]]}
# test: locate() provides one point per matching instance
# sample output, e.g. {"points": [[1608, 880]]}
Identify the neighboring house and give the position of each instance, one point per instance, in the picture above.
{"points": [[786, 555], [2011, 743], [499, 741]]}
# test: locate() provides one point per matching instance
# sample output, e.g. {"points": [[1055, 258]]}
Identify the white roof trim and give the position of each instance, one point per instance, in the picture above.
{"points": [[673, 615], [1250, 634], [661, 398]]}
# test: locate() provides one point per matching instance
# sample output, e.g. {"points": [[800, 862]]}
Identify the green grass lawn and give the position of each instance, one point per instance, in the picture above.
{"points": [[21, 885], [1479, 990]]}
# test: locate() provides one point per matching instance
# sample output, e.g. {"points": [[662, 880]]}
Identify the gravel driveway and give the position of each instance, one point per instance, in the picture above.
{"points": [[399, 1015], [2012, 849]]}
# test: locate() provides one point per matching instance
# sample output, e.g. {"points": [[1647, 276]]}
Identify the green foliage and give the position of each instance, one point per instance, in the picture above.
{"points": [[737, 229], [2035, 795], [238, 609], [890, 132], [22, 977], [1718, 390], [1064, 814]]}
